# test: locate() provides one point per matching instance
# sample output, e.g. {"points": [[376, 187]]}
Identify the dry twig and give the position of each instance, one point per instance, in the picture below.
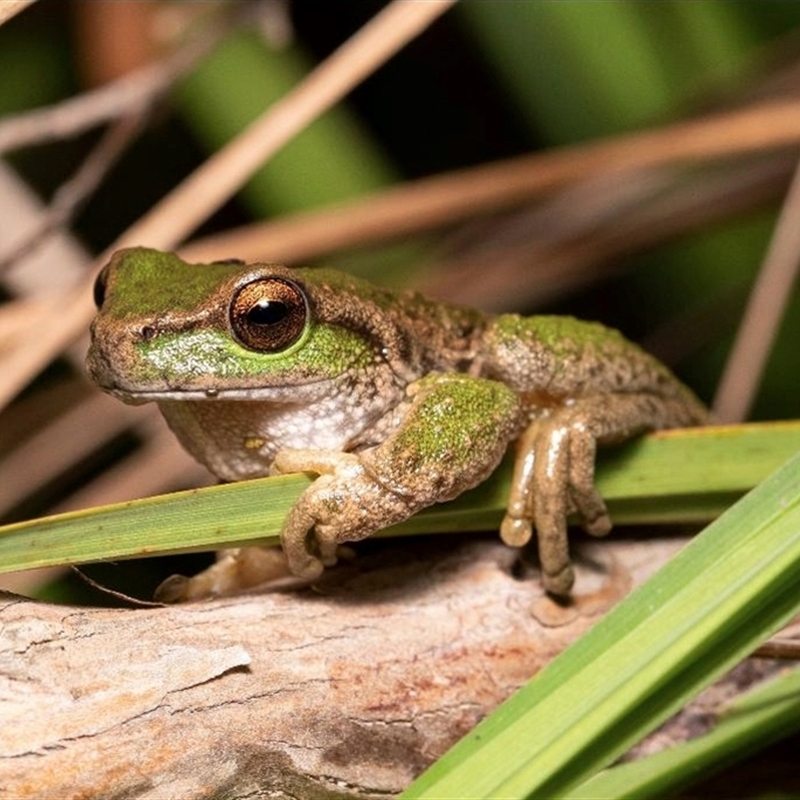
{"points": [[9, 8], [226, 171], [73, 193], [444, 199], [540, 253], [763, 315], [130, 96], [346, 691]]}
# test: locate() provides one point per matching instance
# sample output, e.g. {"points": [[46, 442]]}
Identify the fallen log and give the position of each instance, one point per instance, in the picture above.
{"points": [[347, 689]]}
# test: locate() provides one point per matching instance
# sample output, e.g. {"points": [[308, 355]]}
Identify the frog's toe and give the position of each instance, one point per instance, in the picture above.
{"points": [[515, 532], [600, 525], [174, 589], [328, 550], [592, 512], [235, 570], [299, 544], [559, 583], [304, 565]]}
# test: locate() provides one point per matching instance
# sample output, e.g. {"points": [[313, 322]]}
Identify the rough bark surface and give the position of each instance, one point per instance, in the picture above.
{"points": [[349, 689]]}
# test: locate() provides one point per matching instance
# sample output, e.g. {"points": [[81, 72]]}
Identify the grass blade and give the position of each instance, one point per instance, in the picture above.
{"points": [[757, 719], [729, 589], [676, 476]]}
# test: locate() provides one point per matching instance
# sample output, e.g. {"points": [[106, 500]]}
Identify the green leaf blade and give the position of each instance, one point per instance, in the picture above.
{"points": [[725, 592], [754, 721]]}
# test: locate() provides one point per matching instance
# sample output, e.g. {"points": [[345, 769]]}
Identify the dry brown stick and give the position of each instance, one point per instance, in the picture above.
{"points": [[130, 95], [179, 213], [779, 647], [546, 250], [9, 8], [78, 431], [763, 315], [214, 182], [78, 188], [444, 199], [346, 691]]}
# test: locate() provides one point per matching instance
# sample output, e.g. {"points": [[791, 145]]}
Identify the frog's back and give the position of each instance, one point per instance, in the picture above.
{"points": [[563, 357]]}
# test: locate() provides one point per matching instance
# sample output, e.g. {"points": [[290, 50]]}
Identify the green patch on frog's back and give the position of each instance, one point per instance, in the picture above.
{"points": [[560, 336]]}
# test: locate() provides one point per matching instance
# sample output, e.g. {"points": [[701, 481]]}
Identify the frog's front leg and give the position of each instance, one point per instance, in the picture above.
{"points": [[342, 497], [452, 435], [554, 472]]}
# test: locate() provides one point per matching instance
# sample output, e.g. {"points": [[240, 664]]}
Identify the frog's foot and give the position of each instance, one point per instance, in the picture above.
{"points": [[554, 476], [235, 570], [452, 435], [346, 503], [554, 473]]}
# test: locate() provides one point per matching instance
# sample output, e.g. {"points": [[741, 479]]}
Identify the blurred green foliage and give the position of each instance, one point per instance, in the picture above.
{"points": [[581, 69], [488, 80], [331, 160]]}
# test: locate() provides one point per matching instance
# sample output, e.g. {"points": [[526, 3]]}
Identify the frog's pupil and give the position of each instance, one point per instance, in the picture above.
{"points": [[267, 312]]}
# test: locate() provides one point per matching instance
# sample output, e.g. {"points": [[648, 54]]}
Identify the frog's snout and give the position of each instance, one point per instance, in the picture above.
{"points": [[99, 366], [110, 355]]}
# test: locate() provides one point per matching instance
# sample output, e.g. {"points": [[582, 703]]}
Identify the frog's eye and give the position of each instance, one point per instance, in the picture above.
{"points": [[268, 314], [100, 287]]}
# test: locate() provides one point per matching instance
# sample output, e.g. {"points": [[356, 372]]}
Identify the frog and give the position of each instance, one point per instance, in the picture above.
{"points": [[392, 401]]}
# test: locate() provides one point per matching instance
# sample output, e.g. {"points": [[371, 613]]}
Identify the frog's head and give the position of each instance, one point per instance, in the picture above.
{"points": [[166, 329]]}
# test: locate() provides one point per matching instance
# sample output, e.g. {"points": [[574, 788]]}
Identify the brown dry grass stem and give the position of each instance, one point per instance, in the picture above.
{"points": [[192, 201], [432, 202], [763, 314], [78, 188], [9, 8], [129, 96]]}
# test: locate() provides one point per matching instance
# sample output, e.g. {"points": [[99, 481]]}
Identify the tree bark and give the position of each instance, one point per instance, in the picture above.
{"points": [[349, 689]]}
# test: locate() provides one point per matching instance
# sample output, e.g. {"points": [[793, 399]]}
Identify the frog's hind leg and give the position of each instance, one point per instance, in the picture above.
{"points": [[554, 473], [235, 570]]}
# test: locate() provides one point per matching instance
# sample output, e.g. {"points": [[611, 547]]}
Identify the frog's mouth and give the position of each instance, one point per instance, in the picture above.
{"points": [[274, 394]]}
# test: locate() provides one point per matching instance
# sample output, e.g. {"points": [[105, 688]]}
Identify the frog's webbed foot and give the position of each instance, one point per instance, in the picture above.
{"points": [[346, 503], [554, 476]]}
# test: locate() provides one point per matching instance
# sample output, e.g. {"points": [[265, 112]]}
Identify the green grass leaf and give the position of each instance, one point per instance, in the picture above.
{"points": [[674, 476], [758, 718], [724, 593]]}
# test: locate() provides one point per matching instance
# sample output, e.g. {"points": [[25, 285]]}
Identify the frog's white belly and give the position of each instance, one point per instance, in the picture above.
{"points": [[239, 439]]}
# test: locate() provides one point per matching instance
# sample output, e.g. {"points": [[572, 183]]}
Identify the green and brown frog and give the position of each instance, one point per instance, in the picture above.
{"points": [[395, 401]]}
